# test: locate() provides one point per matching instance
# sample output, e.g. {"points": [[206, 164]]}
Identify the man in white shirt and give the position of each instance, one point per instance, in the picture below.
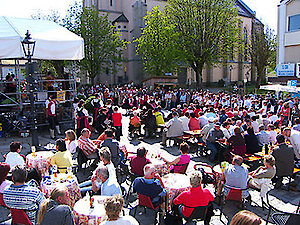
{"points": [[185, 121], [294, 137], [13, 158], [50, 106]]}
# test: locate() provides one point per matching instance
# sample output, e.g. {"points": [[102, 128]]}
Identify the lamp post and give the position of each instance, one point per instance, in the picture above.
{"points": [[28, 45], [247, 75]]}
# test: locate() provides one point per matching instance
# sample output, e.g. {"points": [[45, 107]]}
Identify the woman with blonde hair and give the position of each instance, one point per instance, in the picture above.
{"points": [[245, 218], [55, 210], [113, 207], [71, 141]]}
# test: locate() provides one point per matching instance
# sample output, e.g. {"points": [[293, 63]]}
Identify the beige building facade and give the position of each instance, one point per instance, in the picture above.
{"points": [[128, 16], [288, 42]]}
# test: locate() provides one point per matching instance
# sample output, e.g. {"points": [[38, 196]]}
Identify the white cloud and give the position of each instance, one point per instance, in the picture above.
{"points": [[266, 11], [26, 8]]}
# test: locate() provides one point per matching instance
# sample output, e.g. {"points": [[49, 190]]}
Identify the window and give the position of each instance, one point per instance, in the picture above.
{"points": [[111, 2], [119, 26], [294, 23], [124, 27]]}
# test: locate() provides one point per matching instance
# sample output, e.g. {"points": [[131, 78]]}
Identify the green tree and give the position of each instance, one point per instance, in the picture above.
{"points": [[157, 45], [262, 50], [208, 30], [102, 44]]}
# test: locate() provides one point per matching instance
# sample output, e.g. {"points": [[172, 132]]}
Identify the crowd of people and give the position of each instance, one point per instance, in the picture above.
{"points": [[229, 127]]}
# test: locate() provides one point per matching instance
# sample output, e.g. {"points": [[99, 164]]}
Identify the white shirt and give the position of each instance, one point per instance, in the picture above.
{"points": [[71, 146], [295, 141], [185, 123], [226, 132], [52, 106], [273, 118], [124, 220], [4, 185], [13, 159], [272, 136]]}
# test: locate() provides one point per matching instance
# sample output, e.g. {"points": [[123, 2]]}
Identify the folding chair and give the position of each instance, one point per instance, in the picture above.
{"points": [[19, 217], [146, 202]]}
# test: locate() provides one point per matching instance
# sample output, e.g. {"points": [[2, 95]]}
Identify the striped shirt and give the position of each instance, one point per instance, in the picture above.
{"points": [[86, 145], [24, 197]]}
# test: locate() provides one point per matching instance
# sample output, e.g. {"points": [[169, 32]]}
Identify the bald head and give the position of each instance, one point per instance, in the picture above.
{"points": [[149, 171]]}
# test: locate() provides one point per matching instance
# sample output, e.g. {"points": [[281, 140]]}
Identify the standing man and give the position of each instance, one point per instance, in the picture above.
{"points": [[51, 116]]}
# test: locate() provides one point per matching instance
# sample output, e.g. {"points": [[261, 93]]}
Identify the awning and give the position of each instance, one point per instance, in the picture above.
{"points": [[278, 87], [53, 42]]}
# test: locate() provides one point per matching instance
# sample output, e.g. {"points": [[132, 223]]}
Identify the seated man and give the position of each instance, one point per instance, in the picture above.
{"points": [[150, 185], [55, 210], [235, 175], [86, 144], [109, 186], [95, 183], [174, 128], [138, 162], [194, 197], [215, 135], [284, 160], [14, 158], [113, 146], [21, 196]]}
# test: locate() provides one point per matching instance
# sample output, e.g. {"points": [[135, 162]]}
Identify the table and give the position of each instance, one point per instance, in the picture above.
{"points": [[41, 160], [83, 214], [175, 184], [49, 183], [192, 132]]}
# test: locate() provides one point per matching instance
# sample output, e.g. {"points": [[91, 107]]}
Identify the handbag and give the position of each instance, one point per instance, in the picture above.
{"points": [[172, 219]]}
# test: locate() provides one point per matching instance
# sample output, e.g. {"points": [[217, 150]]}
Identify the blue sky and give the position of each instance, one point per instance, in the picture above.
{"points": [[266, 9]]}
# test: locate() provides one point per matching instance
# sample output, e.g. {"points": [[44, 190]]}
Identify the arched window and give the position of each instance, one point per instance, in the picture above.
{"points": [[111, 2]]}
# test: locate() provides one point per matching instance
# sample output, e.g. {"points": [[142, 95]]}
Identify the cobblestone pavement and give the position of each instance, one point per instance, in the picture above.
{"points": [[283, 200]]}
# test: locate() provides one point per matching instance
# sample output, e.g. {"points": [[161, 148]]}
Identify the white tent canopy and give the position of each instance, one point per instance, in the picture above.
{"points": [[278, 87], [53, 42]]}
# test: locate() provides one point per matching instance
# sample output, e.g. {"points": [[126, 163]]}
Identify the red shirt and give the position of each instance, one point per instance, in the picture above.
{"points": [[117, 119], [137, 165], [194, 197], [194, 124]]}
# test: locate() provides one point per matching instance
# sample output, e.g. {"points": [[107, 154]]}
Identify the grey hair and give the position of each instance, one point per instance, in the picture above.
{"points": [[196, 178], [103, 171]]}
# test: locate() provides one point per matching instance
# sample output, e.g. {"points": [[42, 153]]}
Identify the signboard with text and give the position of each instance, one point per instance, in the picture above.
{"points": [[285, 70], [61, 96], [298, 70]]}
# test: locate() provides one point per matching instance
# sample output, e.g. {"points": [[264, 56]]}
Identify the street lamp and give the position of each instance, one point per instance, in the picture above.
{"points": [[28, 45], [230, 70]]}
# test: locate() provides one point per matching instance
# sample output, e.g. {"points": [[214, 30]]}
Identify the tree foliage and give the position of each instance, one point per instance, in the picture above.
{"points": [[208, 30], [102, 44], [158, 44], [263, 50]]}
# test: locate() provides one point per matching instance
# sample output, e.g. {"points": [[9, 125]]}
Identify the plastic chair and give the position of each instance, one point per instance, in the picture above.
{"points": [[234, 195], [199, 213], [146, 202], [19, 217]]}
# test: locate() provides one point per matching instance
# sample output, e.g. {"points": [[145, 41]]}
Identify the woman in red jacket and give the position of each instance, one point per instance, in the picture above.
{"points": [[117, 122]]}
